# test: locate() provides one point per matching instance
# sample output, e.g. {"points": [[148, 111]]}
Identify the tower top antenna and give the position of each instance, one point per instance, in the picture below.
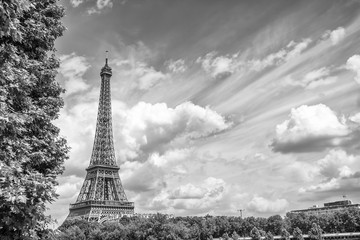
{"points": [[106, 69]]}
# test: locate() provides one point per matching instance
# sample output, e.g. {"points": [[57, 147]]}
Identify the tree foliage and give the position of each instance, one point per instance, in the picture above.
{"points": [[285, 234], [202, 228], [297, 234], [269, 236], [235, 236], [31, 151], [315, 232], [255, 234]]}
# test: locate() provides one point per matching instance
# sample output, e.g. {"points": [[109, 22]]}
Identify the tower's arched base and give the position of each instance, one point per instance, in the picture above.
{"points": [[100, 211]]}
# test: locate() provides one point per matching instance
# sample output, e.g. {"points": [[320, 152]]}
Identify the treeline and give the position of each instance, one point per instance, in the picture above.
{"points": [[161, 227]]}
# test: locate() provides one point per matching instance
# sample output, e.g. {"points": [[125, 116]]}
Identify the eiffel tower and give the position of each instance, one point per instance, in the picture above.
{"points": [[102, 196]]}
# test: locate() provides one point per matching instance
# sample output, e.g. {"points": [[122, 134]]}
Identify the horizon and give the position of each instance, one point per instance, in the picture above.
{"points": [[216, 105]]}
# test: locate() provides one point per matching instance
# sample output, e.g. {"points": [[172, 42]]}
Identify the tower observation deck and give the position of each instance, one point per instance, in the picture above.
{"points": [[102, 196]]}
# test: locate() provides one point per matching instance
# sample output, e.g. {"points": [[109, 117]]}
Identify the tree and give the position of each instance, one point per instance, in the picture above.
{"points": [[297, 234], [269, 236], [31, 151], [72, 233], [255, 234], [285, 234], [235, 236], [225, 236], [315, 232], [274, 224], [300, 220]]}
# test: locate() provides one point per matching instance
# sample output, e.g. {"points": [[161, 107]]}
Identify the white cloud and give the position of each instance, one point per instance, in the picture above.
{"points": [[151, 175], [353, 63], [355, 118], [170, 157], [335, 36], [309, 127], [104, 3], [188, 191], [300, 171], [321, 82], [76, 3], [195, 198], [77, 124], [223, 66], [337, 172], [150, 127], [100, 6], [132, 54], [142, 76], [263, 205], [68, 190], [325, 186], [147, 76], [285, 54], [297, 48], [313, 79], [218, 66], [332, 165], [69, 187], [177, 66], [270, 60], [316, 74], [73, 68]]}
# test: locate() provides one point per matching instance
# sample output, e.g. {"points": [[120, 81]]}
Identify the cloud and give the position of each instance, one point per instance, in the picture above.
{"points": [[218, 67], [309, 128], [132, 64], [297, 48], [104, 3], [313, 79], [151, 175], [100, 6], [321, 82], [335, 36], [157, 150], [345, 184], [292, 50], [353, 63], [263, 205], [355, 118], [337, 172], [143, 77], [200, 198], [77, 124], [68, 190], [335, 164], [73, 68], [177, 66], [188, 191], [76, 3], [270, 60], [147, 77], [150, 127]]}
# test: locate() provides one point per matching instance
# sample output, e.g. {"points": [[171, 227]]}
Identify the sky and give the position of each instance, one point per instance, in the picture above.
{"points": [[217, 105]]}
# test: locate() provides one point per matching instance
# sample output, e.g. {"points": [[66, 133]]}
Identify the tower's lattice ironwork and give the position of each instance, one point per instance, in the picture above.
{"points": [[102, 196]]}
